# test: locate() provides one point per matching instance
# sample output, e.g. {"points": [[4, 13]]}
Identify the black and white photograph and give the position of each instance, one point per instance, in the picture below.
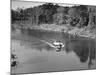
{"points": [[52, 37]]}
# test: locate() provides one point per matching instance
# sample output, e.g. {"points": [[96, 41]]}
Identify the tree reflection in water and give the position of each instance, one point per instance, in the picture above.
{"points": [[84, 49]]}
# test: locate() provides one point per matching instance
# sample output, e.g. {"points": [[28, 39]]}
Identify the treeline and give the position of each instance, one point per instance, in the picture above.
{"points": [[48, 13]]}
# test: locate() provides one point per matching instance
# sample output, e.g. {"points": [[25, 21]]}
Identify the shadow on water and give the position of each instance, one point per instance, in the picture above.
{"points": [[84, 49]]}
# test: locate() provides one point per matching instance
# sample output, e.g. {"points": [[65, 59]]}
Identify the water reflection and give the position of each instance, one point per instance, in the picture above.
{"points": [[84, 49]]}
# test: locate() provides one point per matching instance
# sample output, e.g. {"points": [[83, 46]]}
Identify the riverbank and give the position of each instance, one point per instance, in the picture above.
{"points": [[83, 32]]}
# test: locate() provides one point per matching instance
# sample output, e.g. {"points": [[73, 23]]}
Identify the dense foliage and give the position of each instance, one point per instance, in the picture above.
{"points": [[49, 13]]}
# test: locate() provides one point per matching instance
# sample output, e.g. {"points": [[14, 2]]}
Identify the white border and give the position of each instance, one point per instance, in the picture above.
{"points": [[5, 37]]}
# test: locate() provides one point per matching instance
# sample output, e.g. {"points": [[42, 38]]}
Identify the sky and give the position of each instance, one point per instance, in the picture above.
{"points": [[26, 4]]}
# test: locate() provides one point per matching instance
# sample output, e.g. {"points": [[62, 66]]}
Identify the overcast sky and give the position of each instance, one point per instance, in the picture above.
{"points": [[27, 4]]}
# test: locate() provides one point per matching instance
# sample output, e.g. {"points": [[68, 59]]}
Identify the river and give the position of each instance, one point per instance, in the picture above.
{"points": [[36, 56]]}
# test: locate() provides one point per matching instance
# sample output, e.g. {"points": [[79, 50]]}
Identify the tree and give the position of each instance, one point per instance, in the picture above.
{"points": [[92, 16], [79, 15]]}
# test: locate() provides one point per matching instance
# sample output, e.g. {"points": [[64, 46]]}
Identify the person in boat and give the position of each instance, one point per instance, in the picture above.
{"points": [[58, 45], [14, 63], [13, 56]]}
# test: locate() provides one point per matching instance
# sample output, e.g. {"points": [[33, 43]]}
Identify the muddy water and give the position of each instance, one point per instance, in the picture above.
{"points": [[37, 56]]}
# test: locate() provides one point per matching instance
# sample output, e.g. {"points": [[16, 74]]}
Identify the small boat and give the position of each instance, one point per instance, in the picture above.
{"points": [[59, 45]]}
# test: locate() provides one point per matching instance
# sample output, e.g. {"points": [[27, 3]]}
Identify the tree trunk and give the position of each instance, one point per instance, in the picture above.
{"points": [[37, 20]]}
